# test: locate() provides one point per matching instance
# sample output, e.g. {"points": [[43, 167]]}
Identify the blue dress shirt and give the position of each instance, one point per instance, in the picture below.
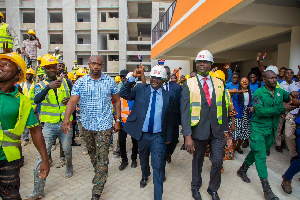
{"points": [[158, 110]]}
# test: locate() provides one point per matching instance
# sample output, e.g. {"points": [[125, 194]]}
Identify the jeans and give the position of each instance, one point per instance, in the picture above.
{"points": [[26, 134], [51, 132]]}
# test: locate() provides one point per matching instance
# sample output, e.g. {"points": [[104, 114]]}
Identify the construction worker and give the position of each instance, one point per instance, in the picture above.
{"points": [[71, 76], [269, 103], [56, 54], [28, 91], [15, 114], [75, 67], [39, 70], [7, 34], [54, 95], [30, 48], [118, 79], [80, 73]]}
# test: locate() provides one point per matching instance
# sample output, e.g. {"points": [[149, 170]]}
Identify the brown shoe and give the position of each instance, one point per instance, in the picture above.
{"points": [[286, 185]]}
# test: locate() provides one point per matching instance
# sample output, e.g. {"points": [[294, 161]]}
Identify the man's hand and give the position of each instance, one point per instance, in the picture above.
{"points": [[251, 109], [44, 169], [5, 47], [189, 144], [282, 116], [289, 106], [168, 142], [180, 68], [65, 100], [19, 51], [37, 38], [138, 72], [117, 127], [214, 69], [55, 84], [294, 95], [258, 57], [66, 126]]}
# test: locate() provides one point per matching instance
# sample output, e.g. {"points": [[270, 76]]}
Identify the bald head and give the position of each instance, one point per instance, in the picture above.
{"points": [[96, 65], [269, 73], [270, 79]]}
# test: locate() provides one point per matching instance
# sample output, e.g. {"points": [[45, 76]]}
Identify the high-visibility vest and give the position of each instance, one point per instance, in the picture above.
{"points": [[40, 71], [75, 68], [4, 37], [29, 92], [195, 99], [10, 139], [124, 110], [57, 56], [51, 111]]}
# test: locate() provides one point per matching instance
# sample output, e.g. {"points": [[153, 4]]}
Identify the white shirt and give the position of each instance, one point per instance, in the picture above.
{"points": [[246, 98], [209, 83], [294, 86], [165, 86]]}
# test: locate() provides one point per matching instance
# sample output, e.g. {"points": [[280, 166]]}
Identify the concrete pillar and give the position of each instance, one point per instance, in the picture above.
{"points": [[154, 21], [69, 35], [94, 27], [13, 16], [122, 34], [283, 59], [295, 49], [41, 26]]}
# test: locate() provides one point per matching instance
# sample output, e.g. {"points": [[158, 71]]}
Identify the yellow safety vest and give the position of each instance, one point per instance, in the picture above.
{"points": [[124, 110], [57, 56], [195, 99], [51, 112], [10, 139], [75, 68], [40, 71], [29, 92], [4, 37]]}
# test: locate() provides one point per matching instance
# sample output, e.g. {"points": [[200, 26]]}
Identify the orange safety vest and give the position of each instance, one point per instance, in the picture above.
{"points": [[124, 110]]}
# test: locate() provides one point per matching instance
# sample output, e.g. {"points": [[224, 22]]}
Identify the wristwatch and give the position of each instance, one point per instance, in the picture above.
{"points": [[118, 120]]}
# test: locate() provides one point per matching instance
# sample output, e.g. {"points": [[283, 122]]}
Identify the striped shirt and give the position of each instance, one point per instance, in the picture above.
{"points": [[95, 101]]}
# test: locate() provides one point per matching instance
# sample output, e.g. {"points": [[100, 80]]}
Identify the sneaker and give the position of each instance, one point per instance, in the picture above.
{"points": [[53, 148], [279, 149], [62, 162], [286, 185]]}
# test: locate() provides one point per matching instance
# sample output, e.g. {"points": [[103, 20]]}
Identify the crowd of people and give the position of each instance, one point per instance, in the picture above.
{"points": [[219, 113]]}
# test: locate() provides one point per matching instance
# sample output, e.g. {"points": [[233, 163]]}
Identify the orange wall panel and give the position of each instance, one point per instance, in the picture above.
{"points": [[207, 12], [182, 7]]}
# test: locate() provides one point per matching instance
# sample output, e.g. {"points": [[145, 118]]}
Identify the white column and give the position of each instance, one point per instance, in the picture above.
{"points": [[122, 33], [283, 58], [94, 27], [41, 26], [13, 16], [295, 49]]}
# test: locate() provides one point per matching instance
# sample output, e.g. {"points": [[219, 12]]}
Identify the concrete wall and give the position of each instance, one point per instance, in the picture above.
{"points": [[283, 59], [175, 64]]}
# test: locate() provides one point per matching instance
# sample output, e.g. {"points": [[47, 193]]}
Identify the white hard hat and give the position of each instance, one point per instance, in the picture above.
{"points": [[129, 75], [205, 55], [57, 48], [272, 68], [159, 71]]}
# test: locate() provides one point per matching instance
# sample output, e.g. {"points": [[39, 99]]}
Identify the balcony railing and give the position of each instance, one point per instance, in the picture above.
{"points": [[163, 24]]}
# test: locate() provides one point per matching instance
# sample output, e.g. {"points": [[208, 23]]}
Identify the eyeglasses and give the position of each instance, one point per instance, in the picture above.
{"points": [[158, 78], [202, 61], [96, 63]]}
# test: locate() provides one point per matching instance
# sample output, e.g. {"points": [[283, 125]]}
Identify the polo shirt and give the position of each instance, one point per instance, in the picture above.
{"points": [[230, 86], [9, 112]]}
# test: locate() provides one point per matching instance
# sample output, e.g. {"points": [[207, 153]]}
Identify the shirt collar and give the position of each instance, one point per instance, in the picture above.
{"points": [[15, 93], [101, 78], [159, 91], [202, 77]]}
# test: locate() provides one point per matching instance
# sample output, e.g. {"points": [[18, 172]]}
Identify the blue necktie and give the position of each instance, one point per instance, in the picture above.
{"points": [[152, 112]]}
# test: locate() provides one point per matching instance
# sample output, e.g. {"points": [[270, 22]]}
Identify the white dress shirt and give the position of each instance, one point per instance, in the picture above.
{"points": [[209, 83], [165, 86], [294, 86]]}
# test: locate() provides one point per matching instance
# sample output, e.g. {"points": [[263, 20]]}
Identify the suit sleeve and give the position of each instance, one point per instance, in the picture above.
{"points": [[170, 123], [127, 92], [185, 111]]}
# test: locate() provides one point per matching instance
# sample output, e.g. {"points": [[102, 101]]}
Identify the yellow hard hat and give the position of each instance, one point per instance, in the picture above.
{"points": [[71, 76], [48, 59], [1, 15], [220, 74], [75, 61], [39, 58], [16, 58], [117, 78], [30, 71], [187, 76], [212, 74], [31, 32], [80, 72]]}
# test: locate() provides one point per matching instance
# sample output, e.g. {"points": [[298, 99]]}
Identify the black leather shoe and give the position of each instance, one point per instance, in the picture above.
{"points": [[123, 165], [95, 197], [75, 144], [168, 157], [239, 151], [134, 164], [196, 195], [117, 152], [182, 147], [143, 182], [214, 195]]}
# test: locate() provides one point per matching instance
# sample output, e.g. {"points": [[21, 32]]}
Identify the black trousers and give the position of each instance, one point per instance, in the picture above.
{"points": [[217, 153], [10, 180], [122, 143], [172, 146]]}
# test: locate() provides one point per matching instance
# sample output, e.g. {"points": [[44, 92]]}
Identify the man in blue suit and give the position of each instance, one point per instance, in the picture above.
{"points": [[176, 91], [150, 123]]}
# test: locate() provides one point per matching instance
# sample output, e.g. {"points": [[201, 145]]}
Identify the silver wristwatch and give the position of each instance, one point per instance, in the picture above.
{"points": [[118, 120]]}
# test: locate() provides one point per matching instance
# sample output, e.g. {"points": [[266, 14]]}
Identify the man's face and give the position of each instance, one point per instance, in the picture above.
{"points": [[281, 72], [29, 77], [156, 82], [289, 75], [123, 79], [226, 66], [51, 71], [174, 79], [182, 78], [168, 74], [60, 67], [203, 67], [57, 51], [95, 65], [193, 74], [270, 79], [253, 78], [8, 69], [235, 79]]}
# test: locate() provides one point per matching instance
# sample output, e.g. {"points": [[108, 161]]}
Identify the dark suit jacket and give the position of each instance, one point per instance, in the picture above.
{"points": [[176, 91], [141, 96]]}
